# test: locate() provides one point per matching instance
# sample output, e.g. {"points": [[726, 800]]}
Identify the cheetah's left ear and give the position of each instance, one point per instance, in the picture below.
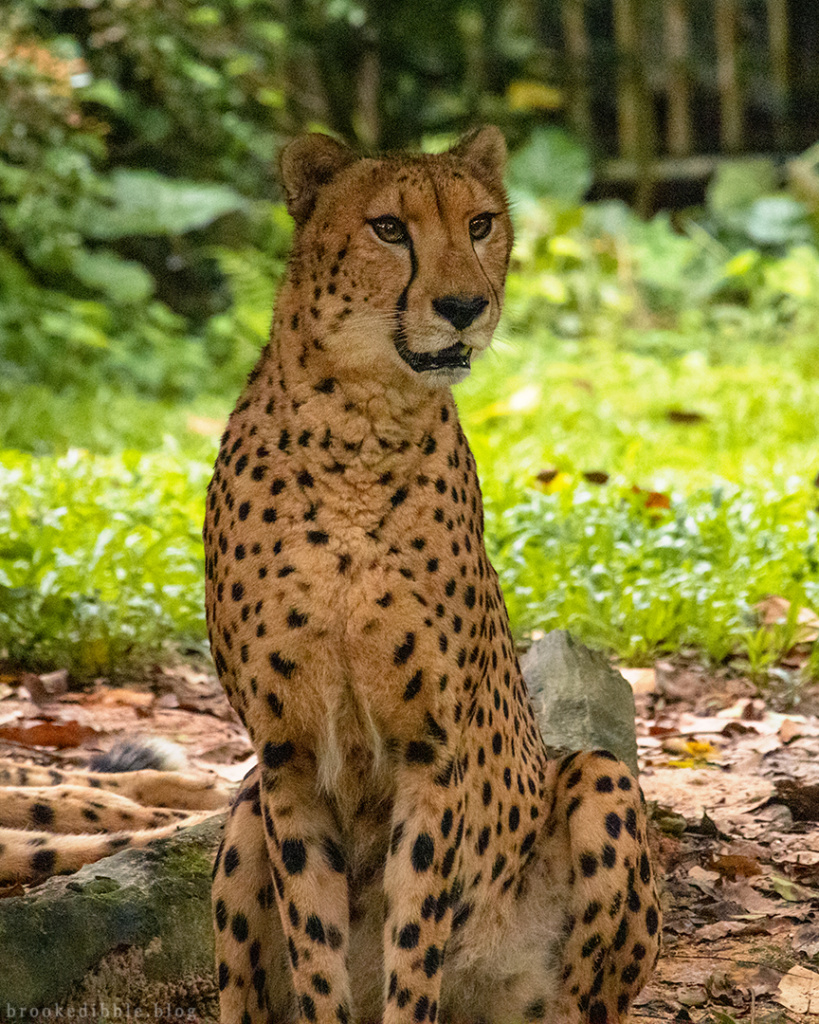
{"points": [[484, 152], [306, 164]]}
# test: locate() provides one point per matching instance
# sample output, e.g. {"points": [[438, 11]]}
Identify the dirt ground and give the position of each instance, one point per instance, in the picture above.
{"points": [[730, 773]]}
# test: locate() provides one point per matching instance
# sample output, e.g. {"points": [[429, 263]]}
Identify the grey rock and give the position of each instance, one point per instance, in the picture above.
{"points": [[581, 702], [132, 930]]}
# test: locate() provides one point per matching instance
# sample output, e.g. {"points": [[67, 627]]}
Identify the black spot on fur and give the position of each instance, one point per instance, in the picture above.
{"points": [[333, 855], [283, 666], [220, 914], [231, 860], [295, 619], [403, 651], [239, 927], [294, 856], [315, 929], [414, 685], [588, 864], [423, 852], [419, 752], [277, 754], [42, 815]]}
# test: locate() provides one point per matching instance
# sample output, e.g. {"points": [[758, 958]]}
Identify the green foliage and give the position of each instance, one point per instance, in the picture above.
{"points": [[142, 203], [745, 206], [139, 254], [97, 259], [646, 582], [600, 269], [735, 469], [552, 164], [100, 558]]}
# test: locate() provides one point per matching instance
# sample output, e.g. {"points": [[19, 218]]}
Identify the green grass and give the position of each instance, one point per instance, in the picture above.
{"points": [[741, 523], [101, 559], [102, 492]]}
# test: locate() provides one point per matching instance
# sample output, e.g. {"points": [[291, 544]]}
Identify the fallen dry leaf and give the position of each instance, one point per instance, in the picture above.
{"points": [[684, 416], [798, 991], [43, 689], [806, 939], [545, 476], [790, 890], [641, 680], [776, 610], [48, 734], [108, 696], [801, 800], [731, 865], [789, 730]]}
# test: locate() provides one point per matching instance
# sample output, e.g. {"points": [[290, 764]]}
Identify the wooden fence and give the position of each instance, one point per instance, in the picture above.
{"points": [[695, 80]]}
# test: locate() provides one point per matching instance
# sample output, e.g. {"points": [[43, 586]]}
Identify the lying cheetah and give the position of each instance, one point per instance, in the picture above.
{"points": [[54, 821], [405, 851]]}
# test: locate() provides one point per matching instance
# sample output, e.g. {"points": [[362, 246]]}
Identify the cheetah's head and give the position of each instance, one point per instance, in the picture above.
{"points": [[400, 260]]}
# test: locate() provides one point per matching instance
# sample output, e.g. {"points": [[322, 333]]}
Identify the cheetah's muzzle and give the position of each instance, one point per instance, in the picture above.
{"points": [[457, 356]]}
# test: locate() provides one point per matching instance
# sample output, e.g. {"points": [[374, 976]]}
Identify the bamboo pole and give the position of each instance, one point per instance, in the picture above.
{"points": [[779, 47], [627, 38], [578, 49], [635, 108], [679, 86], [731, 126]]}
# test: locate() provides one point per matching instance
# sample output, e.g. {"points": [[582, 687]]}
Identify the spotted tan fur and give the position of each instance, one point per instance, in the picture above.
{"points": [[405, 851], [54, 821]]}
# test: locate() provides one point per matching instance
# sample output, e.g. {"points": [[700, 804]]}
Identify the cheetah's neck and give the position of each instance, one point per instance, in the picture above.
{"points": [[360, 427]]}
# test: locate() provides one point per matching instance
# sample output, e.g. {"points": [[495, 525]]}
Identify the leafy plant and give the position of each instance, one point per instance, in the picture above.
{"points": [[100, 558]]}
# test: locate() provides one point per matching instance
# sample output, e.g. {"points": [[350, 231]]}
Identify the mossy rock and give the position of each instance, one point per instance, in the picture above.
{"points": [[133, 930]]}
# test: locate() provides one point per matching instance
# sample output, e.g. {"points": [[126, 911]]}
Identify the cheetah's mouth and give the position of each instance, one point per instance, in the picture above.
{"points": [[457, 356]]}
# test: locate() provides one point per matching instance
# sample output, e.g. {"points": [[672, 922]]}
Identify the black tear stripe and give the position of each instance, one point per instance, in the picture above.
{"points": [[400, 336], [486, 278]]}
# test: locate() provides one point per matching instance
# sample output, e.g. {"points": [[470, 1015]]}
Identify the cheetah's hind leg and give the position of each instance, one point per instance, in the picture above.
{"points": [[613, 917]]}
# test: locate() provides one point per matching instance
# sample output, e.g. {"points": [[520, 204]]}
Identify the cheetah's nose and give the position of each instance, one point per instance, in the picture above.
{"points": [[459, 312]]}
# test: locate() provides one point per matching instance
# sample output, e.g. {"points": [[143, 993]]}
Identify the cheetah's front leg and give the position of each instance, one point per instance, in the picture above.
{"points": [[310, 876], [421, 868], [251, 954]]}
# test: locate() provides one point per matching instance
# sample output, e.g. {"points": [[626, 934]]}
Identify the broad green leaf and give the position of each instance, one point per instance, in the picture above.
{"points": [[122, 280], [145, 203], [738, 183], [551, 165]]}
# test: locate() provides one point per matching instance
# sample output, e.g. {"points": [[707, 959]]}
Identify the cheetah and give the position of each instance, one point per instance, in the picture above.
{"points": [[404, 850], [53, 821]]}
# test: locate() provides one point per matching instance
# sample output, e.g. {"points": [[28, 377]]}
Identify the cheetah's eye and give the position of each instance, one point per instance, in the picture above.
{"points": [[480, 226], [389, 229]]}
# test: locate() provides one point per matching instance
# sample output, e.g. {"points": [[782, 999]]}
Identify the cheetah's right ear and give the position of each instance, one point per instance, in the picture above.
{"points": [[306, 164], [483, 150]]}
